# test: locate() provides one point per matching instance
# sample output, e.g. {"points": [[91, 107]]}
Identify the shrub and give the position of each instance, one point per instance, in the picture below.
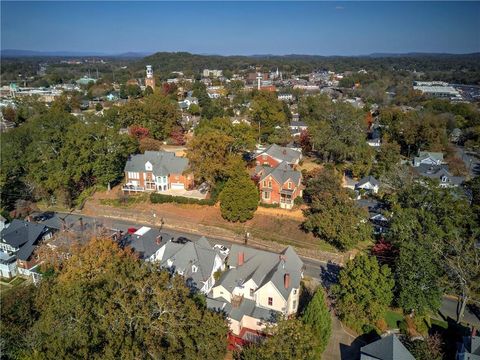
{"points": [[156, 198], [271, 206]]}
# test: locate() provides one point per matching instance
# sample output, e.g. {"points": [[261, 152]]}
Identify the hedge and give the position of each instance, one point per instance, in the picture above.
{"points": [[156, 198]]}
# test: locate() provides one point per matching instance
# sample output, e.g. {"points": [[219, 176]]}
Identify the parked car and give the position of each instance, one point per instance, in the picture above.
{"points": [[222, 249], [181, 240], [203, 188]]}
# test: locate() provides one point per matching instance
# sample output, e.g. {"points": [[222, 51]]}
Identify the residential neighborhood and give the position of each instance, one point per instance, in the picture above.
{"points": [[191, 181]]}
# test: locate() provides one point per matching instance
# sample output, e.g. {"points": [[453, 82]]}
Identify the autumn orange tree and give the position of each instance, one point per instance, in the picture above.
{"points": [[104, 303]]}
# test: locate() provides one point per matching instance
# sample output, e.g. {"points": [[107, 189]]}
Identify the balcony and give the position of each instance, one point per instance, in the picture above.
{"points": [[132, 188]]}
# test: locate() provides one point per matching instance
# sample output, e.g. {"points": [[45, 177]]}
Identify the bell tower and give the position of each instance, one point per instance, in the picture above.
{"points": [[150, 80]]}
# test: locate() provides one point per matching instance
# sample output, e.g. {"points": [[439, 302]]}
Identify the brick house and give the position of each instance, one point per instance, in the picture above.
{"points": [[279, 185], [274, 155], [157, 171]]}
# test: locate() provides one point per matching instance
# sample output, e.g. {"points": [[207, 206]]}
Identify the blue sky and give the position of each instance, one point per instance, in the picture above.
{"points": [[323, 28]]}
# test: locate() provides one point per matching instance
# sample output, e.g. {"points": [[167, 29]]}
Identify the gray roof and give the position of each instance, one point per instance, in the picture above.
{"points": [[146, 245], [282, 153], [246, 307], [423, 155], [387, 348], [262, 267], [280, 173], [438, 172], [163, 163], [24, 236], [297, 124], [368, 179], [184, 256]]}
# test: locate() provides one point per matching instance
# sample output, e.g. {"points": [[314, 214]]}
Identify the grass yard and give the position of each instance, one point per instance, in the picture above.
{"points": [[393, 318]]}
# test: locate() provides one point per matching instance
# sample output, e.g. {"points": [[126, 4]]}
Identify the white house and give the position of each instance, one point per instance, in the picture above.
{"points": [[196, 261], [368, 183], [258, 287]]}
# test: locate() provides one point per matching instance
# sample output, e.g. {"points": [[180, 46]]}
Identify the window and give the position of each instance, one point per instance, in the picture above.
{"points": [[264, 183], [252, 292], [270, 301], [294, 291], [133, 175], [194, 268], [264, 157], [269, 184], [294, 304], [289, 185], [266, 195]]}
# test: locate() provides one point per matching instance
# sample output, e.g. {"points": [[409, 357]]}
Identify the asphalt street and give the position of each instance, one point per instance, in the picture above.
{"points": [[323, 272]]}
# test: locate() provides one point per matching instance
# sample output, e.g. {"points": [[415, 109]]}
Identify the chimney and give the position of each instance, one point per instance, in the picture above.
{"points": [[284, 151], [240, 258], [81, 224], [286, 280]]}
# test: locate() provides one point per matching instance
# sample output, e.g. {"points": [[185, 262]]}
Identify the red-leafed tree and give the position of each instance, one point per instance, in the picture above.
{"points": [[384, 251], [305, 141], [169, 88], [177, 136], [139, 132]]}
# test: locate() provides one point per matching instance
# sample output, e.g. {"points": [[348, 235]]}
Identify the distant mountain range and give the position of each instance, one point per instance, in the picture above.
{"points": [[8, 53]]}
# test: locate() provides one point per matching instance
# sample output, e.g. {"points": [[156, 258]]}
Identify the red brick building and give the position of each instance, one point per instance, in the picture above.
{"points": [[279, 185], [157, 171]]}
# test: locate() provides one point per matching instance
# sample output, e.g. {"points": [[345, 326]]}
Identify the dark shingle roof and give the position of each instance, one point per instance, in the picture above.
{"points": [[24, 236], [388, 348], [163, 163]]}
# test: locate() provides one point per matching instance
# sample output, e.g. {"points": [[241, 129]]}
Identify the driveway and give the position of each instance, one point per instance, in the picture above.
{"points": [[194, 194], [343, 344]]}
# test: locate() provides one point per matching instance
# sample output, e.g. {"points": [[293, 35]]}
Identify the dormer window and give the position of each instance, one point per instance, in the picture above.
{"points": [[444, 179], [148, 166], [169, 262], [194, 268]]}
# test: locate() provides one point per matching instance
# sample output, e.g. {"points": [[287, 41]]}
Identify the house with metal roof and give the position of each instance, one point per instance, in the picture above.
{"points": [[157, 171], [258, 287], [428, 158], [387, 348], [196, 261], [20, 240]]}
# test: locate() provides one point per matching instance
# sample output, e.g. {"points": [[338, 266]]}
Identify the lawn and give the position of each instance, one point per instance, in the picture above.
{"points": [[393, 318]]}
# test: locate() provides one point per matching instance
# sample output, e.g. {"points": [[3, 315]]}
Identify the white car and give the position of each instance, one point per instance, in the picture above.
{"points": [[222, 249]]}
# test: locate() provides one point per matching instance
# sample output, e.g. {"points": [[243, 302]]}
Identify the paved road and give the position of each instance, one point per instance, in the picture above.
{"points": [[450, 309], [326, 273], [313, 268], [471, 160]]}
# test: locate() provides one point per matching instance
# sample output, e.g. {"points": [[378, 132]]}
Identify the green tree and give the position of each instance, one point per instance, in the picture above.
{"points": [[289, 340], [210, 156], [317, 316], [439, 221], [338, 130], [332, 215], [243, 134], [267, 113], [364, 292], [18, 314], [239, 198], [106, 303]]}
